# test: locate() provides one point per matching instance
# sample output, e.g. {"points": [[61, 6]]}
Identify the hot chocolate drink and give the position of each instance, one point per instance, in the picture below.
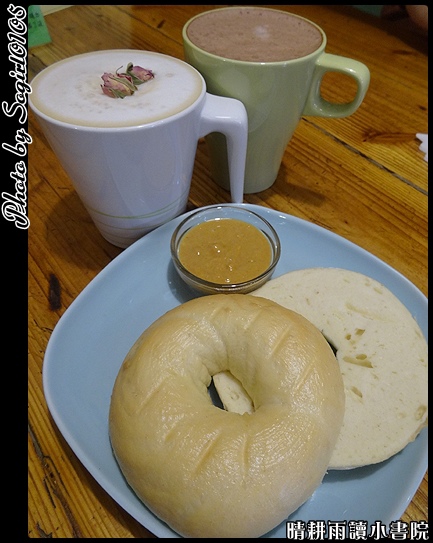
{"points": [[254, 34]]}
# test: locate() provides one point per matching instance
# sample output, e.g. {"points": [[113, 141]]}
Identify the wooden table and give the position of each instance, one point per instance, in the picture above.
{"points": [[363, 178]]}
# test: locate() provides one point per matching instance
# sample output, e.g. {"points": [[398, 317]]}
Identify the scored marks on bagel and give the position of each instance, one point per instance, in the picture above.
{"points": [[208, 472]]}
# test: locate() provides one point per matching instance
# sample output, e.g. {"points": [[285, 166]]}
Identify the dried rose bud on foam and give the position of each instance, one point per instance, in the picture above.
{"points": [[139, 75], [122, 84], [117, 85]]}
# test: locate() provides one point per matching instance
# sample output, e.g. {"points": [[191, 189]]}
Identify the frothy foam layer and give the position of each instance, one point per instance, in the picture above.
{"points": [[254, 34], [70, 90]]}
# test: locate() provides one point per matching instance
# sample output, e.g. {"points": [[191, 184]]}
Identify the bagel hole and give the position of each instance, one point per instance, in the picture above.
{"points": [[214, 396], [232, 394]]}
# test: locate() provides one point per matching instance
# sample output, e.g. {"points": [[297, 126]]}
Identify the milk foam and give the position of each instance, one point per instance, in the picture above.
{"points": [[70, 90]]}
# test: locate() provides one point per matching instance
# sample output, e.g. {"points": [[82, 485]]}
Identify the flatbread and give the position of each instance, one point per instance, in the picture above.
{"points": [[382, 355]]}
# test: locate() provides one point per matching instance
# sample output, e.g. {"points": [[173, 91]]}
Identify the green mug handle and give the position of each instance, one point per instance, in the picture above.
{"points": [[319, 107]]}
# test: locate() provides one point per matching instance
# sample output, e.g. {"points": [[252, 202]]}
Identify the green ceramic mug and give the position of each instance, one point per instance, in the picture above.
{"points": [[273, 61]]}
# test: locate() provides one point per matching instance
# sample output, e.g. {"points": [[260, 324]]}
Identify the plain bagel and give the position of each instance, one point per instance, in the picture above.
{"points": [[382, 355], [211, 473]]}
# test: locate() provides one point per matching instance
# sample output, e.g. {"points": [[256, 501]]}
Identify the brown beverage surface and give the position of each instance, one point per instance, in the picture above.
{"points": [[254, 34]]}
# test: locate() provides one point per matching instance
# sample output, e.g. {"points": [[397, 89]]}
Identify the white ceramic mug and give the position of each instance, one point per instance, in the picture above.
{"points": [[131, 159]]}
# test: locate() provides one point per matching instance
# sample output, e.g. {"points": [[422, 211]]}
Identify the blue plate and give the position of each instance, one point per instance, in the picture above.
{"points": [[90, 341]]}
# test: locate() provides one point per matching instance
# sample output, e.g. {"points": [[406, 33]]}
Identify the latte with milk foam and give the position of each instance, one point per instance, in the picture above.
{"points": [[70, 90]]}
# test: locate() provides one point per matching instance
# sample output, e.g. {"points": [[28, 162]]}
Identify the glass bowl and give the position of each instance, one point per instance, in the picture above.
{"points": [[247, 243]]}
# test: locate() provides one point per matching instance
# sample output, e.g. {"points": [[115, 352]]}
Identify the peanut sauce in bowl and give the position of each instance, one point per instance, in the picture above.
{"points": [[225, 248]]}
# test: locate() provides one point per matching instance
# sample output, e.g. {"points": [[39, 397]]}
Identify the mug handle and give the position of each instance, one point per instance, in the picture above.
{"points": [[319, 107], [228, 116]]}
